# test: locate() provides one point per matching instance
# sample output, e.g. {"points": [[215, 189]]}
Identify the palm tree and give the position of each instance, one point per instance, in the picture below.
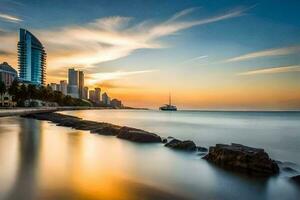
{"points": [[13, 90], [32, 91]]}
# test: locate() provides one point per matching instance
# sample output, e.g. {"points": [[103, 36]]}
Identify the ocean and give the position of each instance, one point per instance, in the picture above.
{"points": [[40, 160]]}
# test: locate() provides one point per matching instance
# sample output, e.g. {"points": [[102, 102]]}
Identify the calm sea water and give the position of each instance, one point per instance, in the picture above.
{"points": [[42, 161]]}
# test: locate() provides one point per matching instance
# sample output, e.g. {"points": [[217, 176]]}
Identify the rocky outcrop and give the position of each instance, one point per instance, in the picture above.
{"points": [[296, 179], [187, 145], [137, 135], [132, 134], [238, 157], [111, 130]]}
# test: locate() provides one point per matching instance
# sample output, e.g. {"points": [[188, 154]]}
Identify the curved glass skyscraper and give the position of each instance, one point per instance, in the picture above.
{"points": [[32, 59]]}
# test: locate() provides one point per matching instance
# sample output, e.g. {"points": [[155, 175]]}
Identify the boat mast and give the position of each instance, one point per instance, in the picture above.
{"points": [[169, 98]]}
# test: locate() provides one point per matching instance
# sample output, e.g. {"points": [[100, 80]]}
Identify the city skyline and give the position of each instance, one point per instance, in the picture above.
{"points": [[238, 55]]}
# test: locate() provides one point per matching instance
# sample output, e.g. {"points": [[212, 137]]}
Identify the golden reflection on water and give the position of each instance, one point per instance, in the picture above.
{"points": [[42, 161]]}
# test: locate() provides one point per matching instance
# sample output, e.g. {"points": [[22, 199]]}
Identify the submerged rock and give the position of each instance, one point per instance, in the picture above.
{"points": [[238, 157], [187, 145], [137, 135]]}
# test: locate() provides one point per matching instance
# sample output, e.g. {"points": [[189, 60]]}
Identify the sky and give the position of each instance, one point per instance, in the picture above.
{"points": [[209, 54]]}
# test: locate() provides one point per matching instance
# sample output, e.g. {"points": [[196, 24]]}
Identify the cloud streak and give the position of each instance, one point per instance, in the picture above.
{"points": [[266, 53], [10, 18], [111, 38], [273, 70], [106, 76], [194, 59]]}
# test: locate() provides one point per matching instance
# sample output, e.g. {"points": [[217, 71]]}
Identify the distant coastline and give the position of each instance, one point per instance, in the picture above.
{"points": [[16, 111]]}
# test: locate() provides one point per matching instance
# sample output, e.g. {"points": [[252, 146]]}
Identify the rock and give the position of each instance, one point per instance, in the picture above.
{"points": [[107, 130], [296, 179], [164, 140], [187, 145], [238, 157], [137, 135], [202, 149]]}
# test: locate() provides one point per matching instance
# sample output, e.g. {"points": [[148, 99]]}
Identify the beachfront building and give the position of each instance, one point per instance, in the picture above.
{"points": [[63, 86], [31, 59], [55, 87], [7, 74], [73, 89]]}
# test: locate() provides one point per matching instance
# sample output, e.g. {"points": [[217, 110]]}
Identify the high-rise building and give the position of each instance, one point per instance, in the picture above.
{"points": [[81, 84], [92, 95], [73, 89], [85, 93], [97, 94], [63, 87], [105, 99], [31, 58], [7, 74]]}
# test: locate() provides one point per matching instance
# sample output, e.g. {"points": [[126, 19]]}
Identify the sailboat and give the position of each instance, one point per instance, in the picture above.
{"points": [[168, 107]]}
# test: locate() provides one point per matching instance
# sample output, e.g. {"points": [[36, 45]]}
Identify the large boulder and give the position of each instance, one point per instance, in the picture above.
{"points": [[187, 145], [137, 135], [238, 157]]}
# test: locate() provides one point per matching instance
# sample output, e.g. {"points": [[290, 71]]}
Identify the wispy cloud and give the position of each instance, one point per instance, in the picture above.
{"points": [[194, 59], [111, 38], [273, 70], [9, 18], [105, 76], [266, 53]]}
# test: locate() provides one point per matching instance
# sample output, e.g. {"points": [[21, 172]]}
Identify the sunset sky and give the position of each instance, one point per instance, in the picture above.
{"points": [[210, 54]]}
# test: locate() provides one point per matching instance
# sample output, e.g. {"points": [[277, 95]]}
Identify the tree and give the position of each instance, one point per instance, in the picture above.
{"points": [[58, 97], [23, 94], [13, 90], [32, 91], [2, 89]]}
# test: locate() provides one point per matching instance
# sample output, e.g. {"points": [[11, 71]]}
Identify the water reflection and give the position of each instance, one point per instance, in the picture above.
{"points": [[29, 144]]}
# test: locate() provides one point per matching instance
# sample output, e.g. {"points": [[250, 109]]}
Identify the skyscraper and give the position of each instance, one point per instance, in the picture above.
{"points": [[105, 99], [85, 93], [92, 95], [97, 94], [31, 59], [81, 84], [73, 83]]}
